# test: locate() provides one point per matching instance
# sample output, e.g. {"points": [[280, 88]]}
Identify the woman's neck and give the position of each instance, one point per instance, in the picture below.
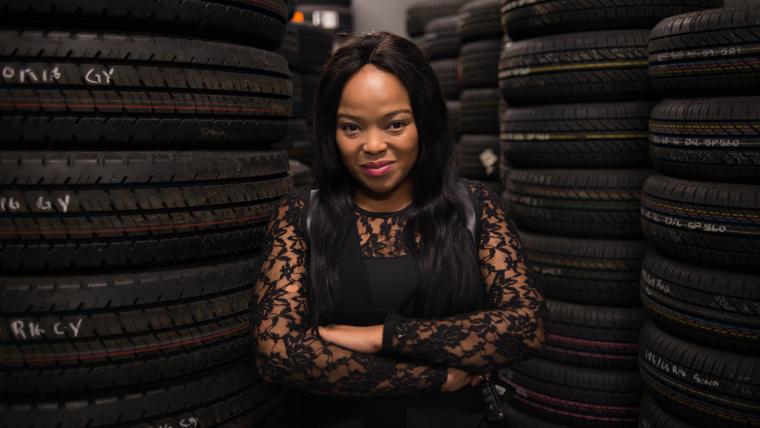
{"points": [[395, 200]]}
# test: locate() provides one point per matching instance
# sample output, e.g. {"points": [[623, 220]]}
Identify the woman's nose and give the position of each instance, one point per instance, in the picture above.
{"points": [[375, 142]]}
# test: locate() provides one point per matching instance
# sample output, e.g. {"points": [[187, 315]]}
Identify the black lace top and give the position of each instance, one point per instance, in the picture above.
{"points": [[417, 352]]}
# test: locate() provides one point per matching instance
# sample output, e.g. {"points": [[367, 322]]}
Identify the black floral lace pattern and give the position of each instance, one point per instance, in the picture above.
{"points": [[485, 340], [421, 350]]}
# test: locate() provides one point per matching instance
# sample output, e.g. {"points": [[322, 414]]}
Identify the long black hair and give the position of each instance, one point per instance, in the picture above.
{"points": [[446, 259]]}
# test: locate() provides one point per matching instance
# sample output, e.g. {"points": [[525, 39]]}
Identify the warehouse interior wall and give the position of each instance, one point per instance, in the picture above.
{"points": [[385, 15]]}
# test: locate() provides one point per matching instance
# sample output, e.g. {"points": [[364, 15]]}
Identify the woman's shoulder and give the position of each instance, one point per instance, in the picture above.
{"points": [[290, 207]]}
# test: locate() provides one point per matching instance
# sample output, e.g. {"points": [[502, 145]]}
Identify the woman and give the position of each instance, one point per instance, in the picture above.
{"points": [[380, 309]]}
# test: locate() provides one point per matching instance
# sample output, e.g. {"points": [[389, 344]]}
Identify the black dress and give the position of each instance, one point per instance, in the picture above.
{"points": [[330, 386]]}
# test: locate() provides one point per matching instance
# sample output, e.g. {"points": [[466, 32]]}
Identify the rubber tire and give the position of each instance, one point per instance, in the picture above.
{"points": [[586, 271], [651, 415], [162, 92], [601, 203], [455, 112], [480, 111], [613, 67], [419, 13], [712, 52], [704, 386], [442, 39], [448, 78], [710, 139], [714, 224], [315, 48], [479, 62], [593, 135], [715, 308], [576, 396], [479, 19], [596, 337], [134, 208], [259, 23], [523, 20], [468, 151]]}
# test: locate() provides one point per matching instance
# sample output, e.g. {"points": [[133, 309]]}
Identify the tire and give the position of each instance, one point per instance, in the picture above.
{"points": [[421, 12], [703, 386], [532, 19], [479, 19], [711, 139], [230, 396], [469, 150], [122, 329], [154, 92], [714, 308], [711, 223], [309, 88], [64, 210], [480, 111], [446, 71], [586, 271], [259, 23], [290, 48], [612, 64], [442, 39], [519, 419], [593, 336], [298, 142], [573, 395], [594, 135], [712, 52], [577, 203], [480, 63], [651, 415], [333, 17], [455, 112]]}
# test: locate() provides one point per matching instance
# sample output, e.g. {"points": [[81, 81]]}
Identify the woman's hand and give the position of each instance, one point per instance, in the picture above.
{"points": [[457, 379], [368, 340]]}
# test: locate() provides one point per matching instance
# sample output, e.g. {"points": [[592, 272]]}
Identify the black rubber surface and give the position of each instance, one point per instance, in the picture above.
{"points": [[712, 52], [651, 415], [469, 150], [479, 19], [704, 386], [576, 67], [573, 395], [589, 135], [716, 308], [479, 61], [593, 336], [480, 111], [314, 48], [129, 91], [64, 210], [419, 13], [536, 18], [577, 203], [255, 22], [711, 139], [442, 39], [714, 224], [586, 271], [446, 71]]}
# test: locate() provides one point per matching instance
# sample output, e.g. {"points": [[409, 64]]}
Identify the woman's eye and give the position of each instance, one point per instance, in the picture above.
{"points": [[397, 125], [349, 127]]}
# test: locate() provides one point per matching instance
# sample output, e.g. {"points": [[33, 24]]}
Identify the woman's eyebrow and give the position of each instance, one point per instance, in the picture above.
{"points": [[389, 114]]}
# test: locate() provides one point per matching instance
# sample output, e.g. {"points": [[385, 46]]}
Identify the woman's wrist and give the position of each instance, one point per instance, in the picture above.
{"points": [[390, 333]]}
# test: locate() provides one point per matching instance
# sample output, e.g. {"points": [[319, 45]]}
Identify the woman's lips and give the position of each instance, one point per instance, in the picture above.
{"points": [[377, 172]]}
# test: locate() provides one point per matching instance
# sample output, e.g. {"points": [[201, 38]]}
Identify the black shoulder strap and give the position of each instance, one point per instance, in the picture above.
{"points": [[464, 195]]}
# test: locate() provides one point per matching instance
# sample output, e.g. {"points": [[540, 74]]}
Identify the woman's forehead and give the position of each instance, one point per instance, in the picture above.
{"points": [[374, 91]]}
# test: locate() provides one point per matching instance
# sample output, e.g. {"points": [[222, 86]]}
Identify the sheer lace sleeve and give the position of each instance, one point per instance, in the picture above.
{"points": [[484, 340], [287, 351]]}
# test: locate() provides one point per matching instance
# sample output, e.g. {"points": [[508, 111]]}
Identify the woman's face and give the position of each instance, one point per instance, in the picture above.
{"points": [[377, 138]]}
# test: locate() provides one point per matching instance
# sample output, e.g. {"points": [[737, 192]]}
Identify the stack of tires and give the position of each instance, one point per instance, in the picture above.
{"points": [[136, 178], [482, 39], [574, 136], [441, 44], [700, 353], [420, 13], [306, 48], [332, 15]]}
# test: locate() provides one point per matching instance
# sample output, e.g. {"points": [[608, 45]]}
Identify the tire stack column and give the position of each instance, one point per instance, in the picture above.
{"points": [[574, 136], [420, 13], [440, 44], [307, 49], [700, 286], [482, 40], [136, 178]]}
